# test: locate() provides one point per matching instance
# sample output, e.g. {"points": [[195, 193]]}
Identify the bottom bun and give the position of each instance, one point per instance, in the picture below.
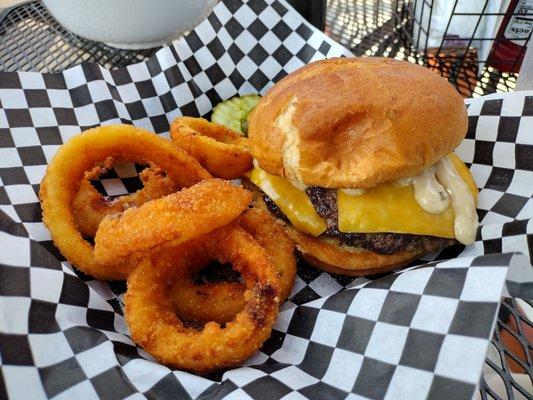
{"points": [[332, 257], [344, 260]]}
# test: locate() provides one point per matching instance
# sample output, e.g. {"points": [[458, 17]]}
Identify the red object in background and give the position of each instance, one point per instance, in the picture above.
{"points": [[510, 336], [510, 44]]}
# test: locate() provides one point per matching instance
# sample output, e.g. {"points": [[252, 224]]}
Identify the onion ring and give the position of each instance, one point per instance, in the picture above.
{"points": [[221, 301], [90, 207], [177, 217], [79, 155], [154, 325], [221, 151]]}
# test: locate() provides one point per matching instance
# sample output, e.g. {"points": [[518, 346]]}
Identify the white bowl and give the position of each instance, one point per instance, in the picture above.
{"points": [[130, 24]]}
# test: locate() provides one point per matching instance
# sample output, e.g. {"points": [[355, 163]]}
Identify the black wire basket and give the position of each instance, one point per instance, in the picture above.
{"points": [[366, 27], [478, 45]]}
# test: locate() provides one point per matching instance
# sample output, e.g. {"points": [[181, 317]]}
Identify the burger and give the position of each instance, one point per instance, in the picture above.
{"points": [[354, 156]]}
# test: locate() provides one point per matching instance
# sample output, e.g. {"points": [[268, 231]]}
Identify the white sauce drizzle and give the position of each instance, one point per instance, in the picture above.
{"points": [[403, 182], [429, 193], [462, 200], [353, 192], [298, 185], [435, 187]]}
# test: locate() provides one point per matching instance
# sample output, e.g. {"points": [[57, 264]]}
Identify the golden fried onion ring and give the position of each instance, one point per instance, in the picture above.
{"points": [[214, 145], [79, 155], [90, 207], [221, 301], [221, 151], [177, 217], [154, 325]]}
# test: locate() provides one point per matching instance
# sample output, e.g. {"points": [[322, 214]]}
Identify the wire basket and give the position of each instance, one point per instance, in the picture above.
{"points": [[478, 45], [30, 39], [367, 27]]}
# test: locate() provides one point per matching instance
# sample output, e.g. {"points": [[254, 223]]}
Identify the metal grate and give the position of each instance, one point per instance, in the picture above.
{"points": [[456, 57], [366, 27], [392, 28], [510, 353], [32, 40]]}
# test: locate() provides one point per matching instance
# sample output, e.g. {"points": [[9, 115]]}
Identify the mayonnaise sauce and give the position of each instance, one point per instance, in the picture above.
{"points": [[435, 187], [429, 193], [401, 182], [353, 192], [298, 185], [464, 206]]}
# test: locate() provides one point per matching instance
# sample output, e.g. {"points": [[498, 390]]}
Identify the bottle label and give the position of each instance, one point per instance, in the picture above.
{"points": [[520, 26]]}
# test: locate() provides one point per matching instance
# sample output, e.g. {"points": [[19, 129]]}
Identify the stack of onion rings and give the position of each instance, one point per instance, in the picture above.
{"points": [[221, 301], [160, 236], [79, 155], [221, 151], [154, 325]]}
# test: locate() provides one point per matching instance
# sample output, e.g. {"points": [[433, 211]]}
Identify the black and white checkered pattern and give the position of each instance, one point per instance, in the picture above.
{"points": [[419, 333]]}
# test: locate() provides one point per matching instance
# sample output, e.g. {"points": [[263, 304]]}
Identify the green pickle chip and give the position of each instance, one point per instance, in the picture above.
{"points": [[233, 113]]}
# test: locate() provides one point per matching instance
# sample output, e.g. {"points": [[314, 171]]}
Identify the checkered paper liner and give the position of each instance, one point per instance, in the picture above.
{"points": [[419, 333]]}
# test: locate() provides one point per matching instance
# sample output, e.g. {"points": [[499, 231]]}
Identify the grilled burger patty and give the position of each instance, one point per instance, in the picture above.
{"points": [[325, 202]]}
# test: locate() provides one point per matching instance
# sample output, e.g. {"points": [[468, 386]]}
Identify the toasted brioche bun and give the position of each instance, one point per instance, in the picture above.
{"points": [[337, 259], [356, 122]]}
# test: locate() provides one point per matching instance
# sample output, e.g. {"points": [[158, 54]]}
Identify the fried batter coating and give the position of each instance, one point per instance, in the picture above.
{"points": [[90, 207], [221, 151], [154, 325], [79, 155], [221, 301], [177, 217]]}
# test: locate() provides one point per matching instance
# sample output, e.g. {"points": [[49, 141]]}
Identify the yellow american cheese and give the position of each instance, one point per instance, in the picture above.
{"points": [[293, 202], [385, 208], [389, 208]]}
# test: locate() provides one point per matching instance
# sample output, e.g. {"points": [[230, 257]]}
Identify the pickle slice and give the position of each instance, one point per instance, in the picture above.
{"points": [[233, 113]]}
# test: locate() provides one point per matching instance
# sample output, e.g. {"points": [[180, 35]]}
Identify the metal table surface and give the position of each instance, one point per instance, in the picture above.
{"points": [[31, 40]]}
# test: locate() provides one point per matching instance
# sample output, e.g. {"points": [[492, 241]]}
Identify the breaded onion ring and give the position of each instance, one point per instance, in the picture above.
{"points": [[221, 301], [154, 325], [90, 207], [79, 155], [178, 217], [221, 151]]}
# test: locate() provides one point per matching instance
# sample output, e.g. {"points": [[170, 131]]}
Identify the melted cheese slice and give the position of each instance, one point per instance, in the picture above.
{"points": [[293, 202], [389, 208], [385, 208]]}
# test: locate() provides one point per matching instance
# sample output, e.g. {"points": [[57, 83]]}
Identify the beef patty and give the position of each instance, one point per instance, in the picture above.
{"points": [[325, 202]]}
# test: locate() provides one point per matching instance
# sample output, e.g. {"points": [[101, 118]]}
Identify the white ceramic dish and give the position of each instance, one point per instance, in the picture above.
{"points": [[130, 24]]}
